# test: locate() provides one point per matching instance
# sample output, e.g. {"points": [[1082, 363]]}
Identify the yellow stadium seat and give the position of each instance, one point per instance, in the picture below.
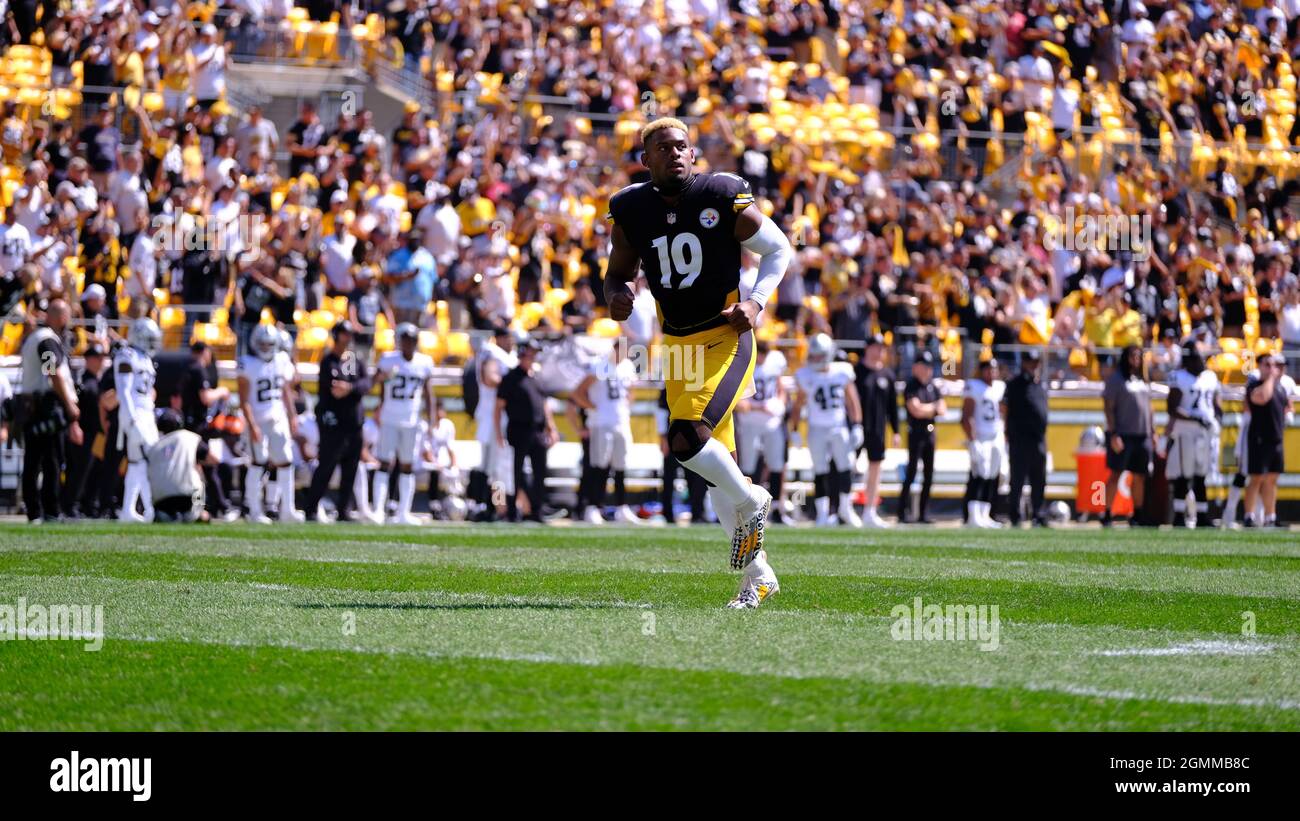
{"points": [[458, 346], [605, 328]]}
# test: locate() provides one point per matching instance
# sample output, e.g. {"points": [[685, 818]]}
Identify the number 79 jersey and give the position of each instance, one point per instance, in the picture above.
{"points": [[688, 250], [404, 387], [824, 393], [987, 421]]}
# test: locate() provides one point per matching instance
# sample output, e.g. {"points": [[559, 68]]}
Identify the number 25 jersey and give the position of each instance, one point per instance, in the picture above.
{"points": [[688, 249]]}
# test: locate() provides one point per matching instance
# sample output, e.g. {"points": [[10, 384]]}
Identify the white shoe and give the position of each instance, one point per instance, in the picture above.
{"points": [[231, 515], [850, 517], [592, 516], [751, 519], [872, 520], [406, 519], [131, 516], [376, 517], [754, 592], [259, 519], [625, 515], [288, 514], [823, 520]]}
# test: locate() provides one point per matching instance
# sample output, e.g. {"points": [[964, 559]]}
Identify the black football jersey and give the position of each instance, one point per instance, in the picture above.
{"points": [[688, 250]]}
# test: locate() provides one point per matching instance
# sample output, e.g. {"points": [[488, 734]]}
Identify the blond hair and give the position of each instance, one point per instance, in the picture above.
{"points": [[650, 129]]}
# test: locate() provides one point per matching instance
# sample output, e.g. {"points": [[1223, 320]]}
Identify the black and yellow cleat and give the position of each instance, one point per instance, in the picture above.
{"points": [[750, 523]]}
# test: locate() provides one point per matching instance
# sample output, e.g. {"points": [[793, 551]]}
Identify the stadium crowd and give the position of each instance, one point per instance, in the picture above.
{"points": [[930, 161]]}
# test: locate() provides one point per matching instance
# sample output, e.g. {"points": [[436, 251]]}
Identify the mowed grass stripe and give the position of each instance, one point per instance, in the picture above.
{"points": [[1020, 600], [177, 686]]}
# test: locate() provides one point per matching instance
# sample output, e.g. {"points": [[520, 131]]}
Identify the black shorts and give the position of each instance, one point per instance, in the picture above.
{"points": [[1264, 457], [1134, 456], [874, 444]]}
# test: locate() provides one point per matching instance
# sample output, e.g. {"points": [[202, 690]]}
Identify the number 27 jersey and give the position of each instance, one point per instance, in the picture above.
{"points": [[404, 387], [688, 249]]}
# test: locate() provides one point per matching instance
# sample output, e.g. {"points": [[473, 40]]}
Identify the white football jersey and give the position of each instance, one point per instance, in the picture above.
{"points": [[987, 421], [404, 387], [767, 383], [485, 412], [134, 377], [610, 394], [266, 381], [824, 392], [15, 246], [1197, 392]]}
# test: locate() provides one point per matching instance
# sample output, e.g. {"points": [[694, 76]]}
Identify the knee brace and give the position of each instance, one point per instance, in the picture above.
{"points": [[687, 438]]}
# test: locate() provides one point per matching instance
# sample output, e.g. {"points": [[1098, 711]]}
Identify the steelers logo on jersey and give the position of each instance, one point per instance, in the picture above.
{"points": [[709, 217]]}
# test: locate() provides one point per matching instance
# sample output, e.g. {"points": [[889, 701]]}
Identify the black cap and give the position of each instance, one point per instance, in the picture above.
{"points": [[343, 326], [501, 330], [875, 339], [1033, 355], [925, 358], [530, 344], [169, 420], [94, 349]]}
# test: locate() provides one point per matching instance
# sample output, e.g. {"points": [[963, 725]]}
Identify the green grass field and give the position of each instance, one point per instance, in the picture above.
{"points": [[478, 627]]}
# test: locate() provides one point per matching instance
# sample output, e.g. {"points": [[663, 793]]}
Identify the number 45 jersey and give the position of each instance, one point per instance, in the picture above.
{"points": [[824, 394], [404, 387], [688, 250]]}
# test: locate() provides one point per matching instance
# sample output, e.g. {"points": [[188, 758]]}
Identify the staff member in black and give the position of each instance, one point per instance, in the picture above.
{"points": [[879, 394], [47, 409], [1027, 438], [200, 393], [530, 431], [343, 382], [82, 462], [924, 404], [1270, 401]]}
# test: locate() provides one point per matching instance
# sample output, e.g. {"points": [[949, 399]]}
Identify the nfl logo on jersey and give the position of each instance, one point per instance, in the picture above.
{"points": [[709, 217], [672, 219]]}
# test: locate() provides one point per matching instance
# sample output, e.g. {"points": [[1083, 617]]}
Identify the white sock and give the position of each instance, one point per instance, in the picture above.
{"points": [[381, 493], [405, 493], [723, 509], [1230, 507], [132, 487], [759, 569], [254, 486], [823, 504], [714, 463], [284, 480], [361, 491], [973, 513]]}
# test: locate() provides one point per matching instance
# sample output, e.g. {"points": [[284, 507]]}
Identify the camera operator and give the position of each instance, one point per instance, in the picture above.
{"points": [[46, 409]]}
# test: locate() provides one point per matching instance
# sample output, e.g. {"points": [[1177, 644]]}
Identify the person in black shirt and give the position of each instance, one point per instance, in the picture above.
{"points": [[531, 430], [879, 395], [82, 463], [1269, 402], [200, 393], [343, 382], [924, 404], [1027, 438], [49, 412]]}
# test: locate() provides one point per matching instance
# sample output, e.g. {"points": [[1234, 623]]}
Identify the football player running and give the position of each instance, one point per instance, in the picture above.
{"points": [[406, 388], [134, 377], [606, 394], [687, 230], [1192, 432], [266, 379], [982, 419], [827, 388]]}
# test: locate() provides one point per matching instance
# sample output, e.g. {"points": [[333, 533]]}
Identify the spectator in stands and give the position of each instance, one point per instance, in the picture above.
{"points": [[410, 273]]}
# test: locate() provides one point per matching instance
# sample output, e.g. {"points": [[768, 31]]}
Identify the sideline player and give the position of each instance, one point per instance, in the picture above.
{"points": [[982, 421], [405, 376], [687, 230], [827, 388], [134, 380], [270, 423], [606, 394], [760, 426], [1193, 432]]}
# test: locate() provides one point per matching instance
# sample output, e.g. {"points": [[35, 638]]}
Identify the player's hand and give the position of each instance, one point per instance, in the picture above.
{"points": [[340, 388], [856, 437], [742, 316], [75, 436], [896, 440], [1116, 443], [254, 432], [620, 306]]}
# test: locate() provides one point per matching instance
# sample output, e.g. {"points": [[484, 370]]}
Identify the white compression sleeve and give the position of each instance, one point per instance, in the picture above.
{"points": [[773, 248]]}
